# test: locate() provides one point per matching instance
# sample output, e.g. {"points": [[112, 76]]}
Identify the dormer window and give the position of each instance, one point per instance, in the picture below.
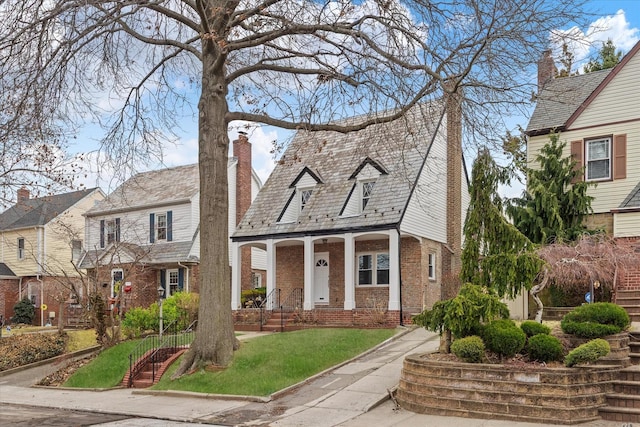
{"points": [[305, 195], [367, 191]]}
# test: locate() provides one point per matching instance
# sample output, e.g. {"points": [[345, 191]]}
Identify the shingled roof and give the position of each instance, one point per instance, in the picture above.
{"points": [[151, 188], [398, 148], [560, 98], [40, 210]]}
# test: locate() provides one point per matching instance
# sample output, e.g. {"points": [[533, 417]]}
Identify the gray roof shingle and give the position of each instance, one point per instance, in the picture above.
{"points": [[633, 199], [167, 252], [560, 98], [40, 210], [400, 147]]}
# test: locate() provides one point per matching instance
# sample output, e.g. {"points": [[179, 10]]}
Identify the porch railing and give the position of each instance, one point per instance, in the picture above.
{"points": [[154, 350]]}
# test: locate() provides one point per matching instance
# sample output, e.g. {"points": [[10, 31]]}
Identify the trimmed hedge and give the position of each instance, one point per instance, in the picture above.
{"points": [[504, 337], [595, 320], [469, 349], [531, 328], [587, 352], [544, 348]]}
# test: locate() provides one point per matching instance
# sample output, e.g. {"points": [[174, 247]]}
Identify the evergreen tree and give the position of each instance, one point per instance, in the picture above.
{"points": [[607, 58], [496, 255], [566, 60], [555, 202]]}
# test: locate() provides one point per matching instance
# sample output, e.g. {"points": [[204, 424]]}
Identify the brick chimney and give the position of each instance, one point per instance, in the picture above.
{"points": [[242, 153], [23, 194], [451, 262], [546, 69]]}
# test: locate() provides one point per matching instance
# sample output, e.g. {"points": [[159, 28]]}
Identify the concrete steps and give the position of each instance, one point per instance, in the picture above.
{"points": [[623, 402]]}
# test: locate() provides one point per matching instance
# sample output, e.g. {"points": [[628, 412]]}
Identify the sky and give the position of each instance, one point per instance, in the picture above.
{"points": [[618, 20]]}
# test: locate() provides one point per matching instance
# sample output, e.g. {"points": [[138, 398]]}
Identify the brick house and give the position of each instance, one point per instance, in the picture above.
{"points": [[42, 240], [598, 115], [361, 228], [146, 233]]}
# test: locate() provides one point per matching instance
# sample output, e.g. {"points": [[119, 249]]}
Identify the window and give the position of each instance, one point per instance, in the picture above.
{"points": [[117, 275], [373, 269], [598, 154], [173, 278], [76, 249], [432, 266], [161, 230], [367, 190], [20, 247], [256, 279], [305, 195]]}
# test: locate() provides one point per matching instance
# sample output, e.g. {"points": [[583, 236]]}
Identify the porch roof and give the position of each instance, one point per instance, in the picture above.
{"points": [[401, 146], [169, 252]]}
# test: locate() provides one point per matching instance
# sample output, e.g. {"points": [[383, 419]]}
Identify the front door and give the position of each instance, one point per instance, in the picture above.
{"points": [[321, 278]]}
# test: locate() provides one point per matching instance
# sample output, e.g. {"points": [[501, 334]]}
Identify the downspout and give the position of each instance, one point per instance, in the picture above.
{"points": [[400, 273], [186, 278], [41, 299], [40, 259]]}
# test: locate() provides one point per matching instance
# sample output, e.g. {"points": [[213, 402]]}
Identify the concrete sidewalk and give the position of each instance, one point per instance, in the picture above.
{"points": [[355, 394]]}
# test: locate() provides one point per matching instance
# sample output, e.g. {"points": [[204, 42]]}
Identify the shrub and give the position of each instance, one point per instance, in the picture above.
{"points": [[470, 349], [531, 328], [253, 297], [24, 311], [595, 320], [504, 337], [587, 352], [136, 321], [544, 348]]}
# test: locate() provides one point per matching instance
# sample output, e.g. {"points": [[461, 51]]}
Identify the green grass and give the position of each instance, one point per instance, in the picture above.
{"points": [[270, 363], [106, 370], [261, 366]]}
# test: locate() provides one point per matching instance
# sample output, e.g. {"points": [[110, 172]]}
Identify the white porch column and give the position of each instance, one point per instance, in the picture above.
{"points": [[271, 271], [394, 271], [236, 275], [308, 273], [349, 272]]}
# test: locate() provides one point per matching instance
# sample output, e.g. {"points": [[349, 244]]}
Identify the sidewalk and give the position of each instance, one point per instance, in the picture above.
{"points": [[354, 394]]}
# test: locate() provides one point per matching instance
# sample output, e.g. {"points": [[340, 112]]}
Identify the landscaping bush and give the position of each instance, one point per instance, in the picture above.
{"points": [[595, 320], [136, 321], [504, 337], [19, 350], [531, 328], [24, 312], [181, 307], [587, 352], [253, 297], [544, 348], [469, 349]]}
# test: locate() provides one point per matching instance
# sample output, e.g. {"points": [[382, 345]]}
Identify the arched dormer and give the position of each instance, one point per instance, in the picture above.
{"points": [[301, 192], [365, 177]]}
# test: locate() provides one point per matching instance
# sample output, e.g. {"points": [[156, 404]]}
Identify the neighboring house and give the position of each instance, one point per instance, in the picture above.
{"points": [[362, 228], [146, 233], [598, 115], [42, 241]]}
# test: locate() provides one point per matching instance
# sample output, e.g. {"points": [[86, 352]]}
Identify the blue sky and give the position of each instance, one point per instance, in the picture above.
{"points": [[615, 19]]}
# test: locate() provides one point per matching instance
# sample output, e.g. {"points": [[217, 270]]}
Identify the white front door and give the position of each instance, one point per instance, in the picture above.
{"points": [[321, 278]]}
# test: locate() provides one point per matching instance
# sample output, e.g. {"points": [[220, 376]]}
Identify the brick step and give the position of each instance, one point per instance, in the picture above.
{"points": [[627, 293], [614, 413], [626, 387], [631, 309], [630, 374], [140, 383], [628, 300], [497, 411], [622, 400]]}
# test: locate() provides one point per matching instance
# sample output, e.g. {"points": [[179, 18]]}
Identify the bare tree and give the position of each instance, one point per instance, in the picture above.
{"points": [[290, 64]]}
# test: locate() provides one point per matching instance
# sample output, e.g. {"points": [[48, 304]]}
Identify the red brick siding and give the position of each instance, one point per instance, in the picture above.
{"points": [[8, 297], [629, 279]]}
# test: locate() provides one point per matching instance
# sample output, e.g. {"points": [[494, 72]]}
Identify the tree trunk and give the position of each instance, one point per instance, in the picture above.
{"points": [[536, 290], [215, 341]]}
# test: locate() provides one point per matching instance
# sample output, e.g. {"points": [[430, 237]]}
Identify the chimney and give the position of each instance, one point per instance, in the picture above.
{"points": [[23, 194], [242, 153], [451, 262], [546, 69]]}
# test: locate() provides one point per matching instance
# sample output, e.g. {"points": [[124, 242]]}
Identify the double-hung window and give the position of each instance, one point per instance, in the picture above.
{"points": [[367, 191], [161, 229], [305, 195], [373, 269], [598, 155], [20, 247]]}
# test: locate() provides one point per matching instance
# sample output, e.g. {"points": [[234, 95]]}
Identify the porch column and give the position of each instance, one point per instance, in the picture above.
{"points": [[349, 272], [308, 273], [271, 272], [394, 270], [236, 274]]}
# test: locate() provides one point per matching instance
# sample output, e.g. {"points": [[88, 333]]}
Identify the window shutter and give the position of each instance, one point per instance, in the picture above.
{"points": [[180, 279], [620, 156], [577, 148], [152, 234], [117, 229], [102, 233], [169, 226]]}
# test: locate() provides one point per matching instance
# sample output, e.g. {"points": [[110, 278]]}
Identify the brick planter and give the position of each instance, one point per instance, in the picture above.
{"points": [[491, 391]]}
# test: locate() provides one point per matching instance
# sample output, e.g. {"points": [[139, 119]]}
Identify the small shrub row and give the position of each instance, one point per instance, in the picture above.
{"points": [[19, 350]]}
